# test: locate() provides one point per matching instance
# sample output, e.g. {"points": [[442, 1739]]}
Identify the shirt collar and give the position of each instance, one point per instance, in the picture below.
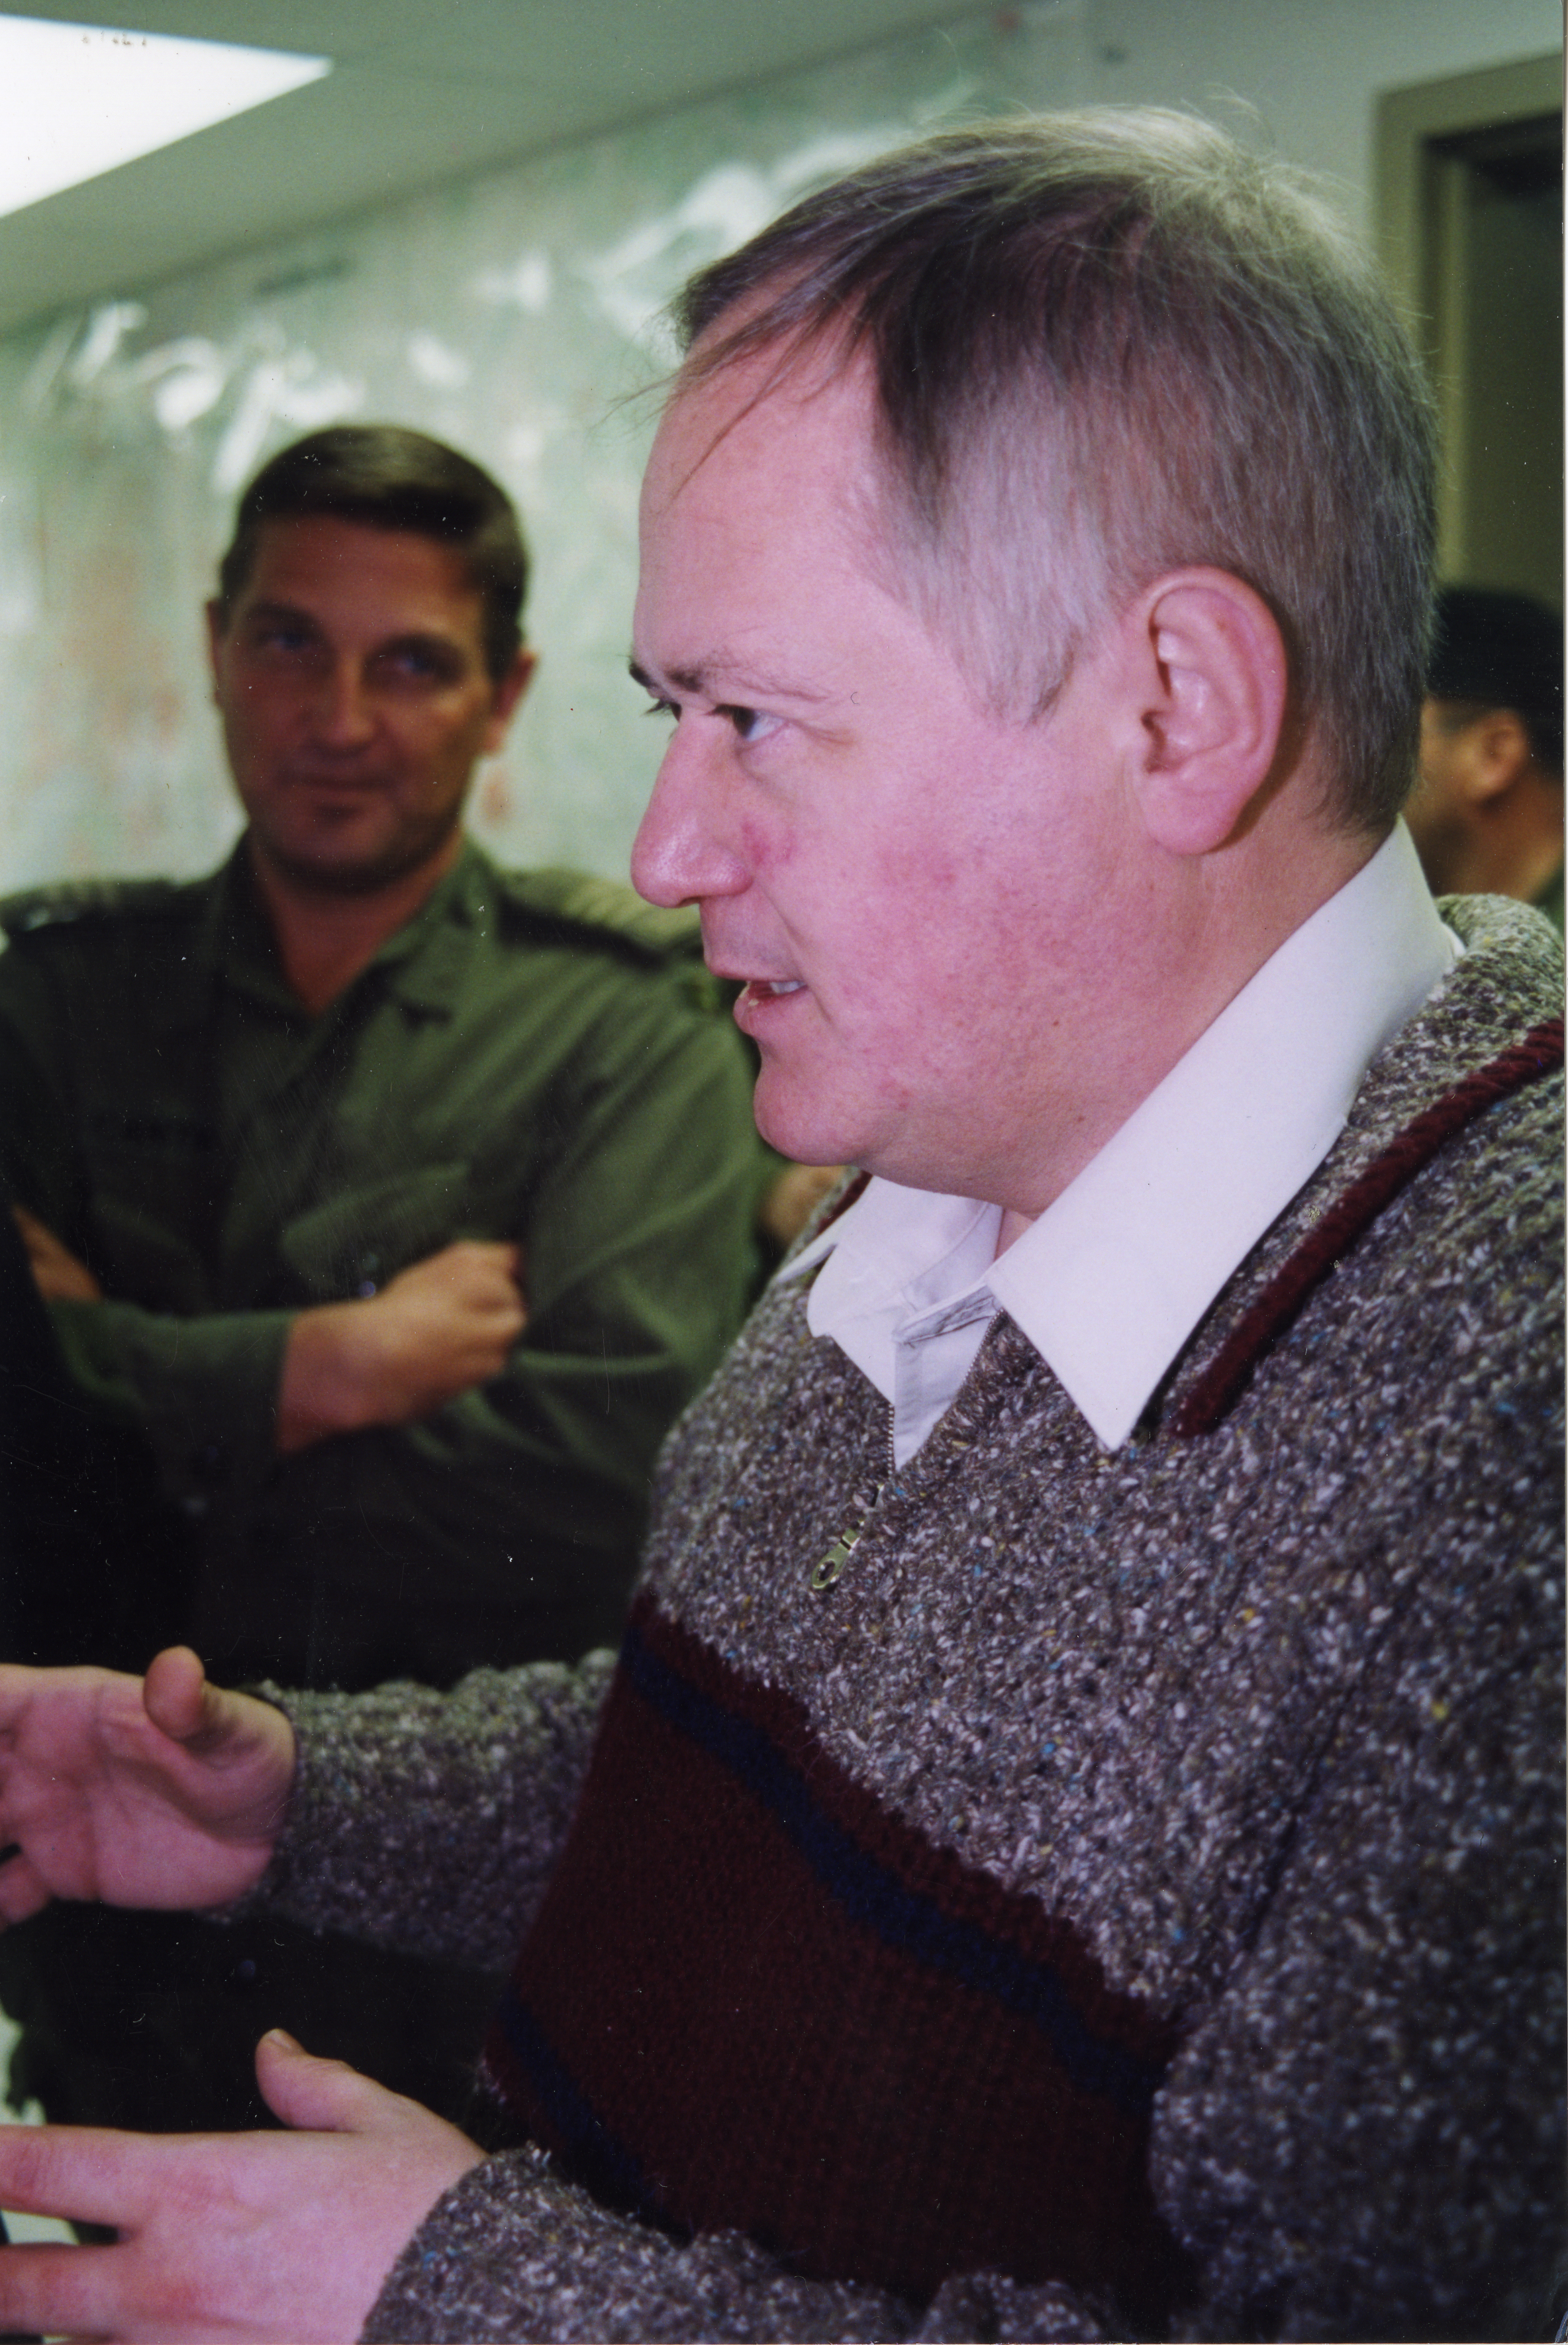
{"points": [[1113, 1277], [423, 961]]}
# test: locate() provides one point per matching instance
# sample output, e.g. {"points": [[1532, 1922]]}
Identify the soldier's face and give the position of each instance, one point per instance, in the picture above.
{"points": [[354, 699]]}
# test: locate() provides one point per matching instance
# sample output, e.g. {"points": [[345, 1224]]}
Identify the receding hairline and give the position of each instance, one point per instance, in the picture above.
{"points": [[935, 258]]}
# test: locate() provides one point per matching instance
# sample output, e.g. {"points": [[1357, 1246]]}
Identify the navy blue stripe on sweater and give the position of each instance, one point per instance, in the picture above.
{"points": [[871, 1896], [614, 2172]]}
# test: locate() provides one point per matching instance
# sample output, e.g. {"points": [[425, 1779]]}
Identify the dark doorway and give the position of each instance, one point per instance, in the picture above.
{"points": [[1470, 205]]}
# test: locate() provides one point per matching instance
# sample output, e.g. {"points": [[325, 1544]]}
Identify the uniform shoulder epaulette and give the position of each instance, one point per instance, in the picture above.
{"points": [[581, 900], [70, 902]]}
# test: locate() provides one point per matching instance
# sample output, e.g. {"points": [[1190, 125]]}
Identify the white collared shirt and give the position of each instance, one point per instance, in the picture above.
{"points": [[1111, 1279]]}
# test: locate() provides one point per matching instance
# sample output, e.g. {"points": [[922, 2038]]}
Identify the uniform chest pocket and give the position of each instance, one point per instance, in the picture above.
{"points": [[354, 1241]]}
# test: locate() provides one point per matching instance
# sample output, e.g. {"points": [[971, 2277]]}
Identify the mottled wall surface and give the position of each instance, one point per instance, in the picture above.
{"points": [[514, 314]]}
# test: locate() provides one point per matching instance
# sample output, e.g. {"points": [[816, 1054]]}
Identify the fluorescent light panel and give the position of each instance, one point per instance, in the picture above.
{"points": [[76, 100]]}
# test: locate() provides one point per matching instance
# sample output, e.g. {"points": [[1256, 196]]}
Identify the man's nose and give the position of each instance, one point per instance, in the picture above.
{"points": [[343, 714], [684, 851]]}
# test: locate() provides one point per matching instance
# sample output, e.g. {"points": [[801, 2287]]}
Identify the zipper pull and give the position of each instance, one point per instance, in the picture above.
{"points": [[842, 1548]]}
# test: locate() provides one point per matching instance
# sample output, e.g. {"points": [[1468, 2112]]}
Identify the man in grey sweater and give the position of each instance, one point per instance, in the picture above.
{"points": [[1068, 1846]]}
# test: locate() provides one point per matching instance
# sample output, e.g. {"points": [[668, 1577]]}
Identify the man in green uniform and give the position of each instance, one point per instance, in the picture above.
{"points": [[399, 1201], [1487, 819]]}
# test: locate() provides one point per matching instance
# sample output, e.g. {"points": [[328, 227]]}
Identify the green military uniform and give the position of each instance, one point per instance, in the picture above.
{"points": [[532, 1058]]}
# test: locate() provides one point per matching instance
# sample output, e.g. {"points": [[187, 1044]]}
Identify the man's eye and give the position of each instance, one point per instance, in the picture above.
{"points": [[750, 725], [420, 664], [660, 709]]}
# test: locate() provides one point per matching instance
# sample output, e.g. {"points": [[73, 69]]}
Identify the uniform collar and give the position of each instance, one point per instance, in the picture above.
{"points": [[422, 963], [1111, 1280]]}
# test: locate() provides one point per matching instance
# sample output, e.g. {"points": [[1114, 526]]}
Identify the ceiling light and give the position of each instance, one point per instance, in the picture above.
{"points": [[79, 99]]}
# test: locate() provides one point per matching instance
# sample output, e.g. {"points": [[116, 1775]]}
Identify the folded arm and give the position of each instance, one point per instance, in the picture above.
{"points": [[635, 1206], [437, 1329]]}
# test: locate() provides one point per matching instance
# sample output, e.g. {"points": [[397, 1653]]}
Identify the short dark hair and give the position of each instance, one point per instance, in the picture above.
{"points": [[1495, 649], [1105, 344], [392, 479]]}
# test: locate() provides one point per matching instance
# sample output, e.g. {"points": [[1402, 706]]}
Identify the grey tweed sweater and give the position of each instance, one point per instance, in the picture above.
{"points": [[1266, 1716]]}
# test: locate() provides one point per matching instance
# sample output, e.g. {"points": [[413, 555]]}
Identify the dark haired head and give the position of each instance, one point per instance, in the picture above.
{"points": [[1493, 649], [389, 478], [1105, 345]]}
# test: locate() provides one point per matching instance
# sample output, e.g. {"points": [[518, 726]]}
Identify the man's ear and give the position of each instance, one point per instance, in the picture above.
{"points": [[1496, 752], [1215, 687], [216, 630], [508, 691]]}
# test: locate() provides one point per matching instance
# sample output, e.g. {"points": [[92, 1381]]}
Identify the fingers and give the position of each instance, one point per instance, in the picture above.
{"points": [[21, 1890], [473, 1267], [57, 1274], [60, 2291], [34, 1233], [82, 2173], [316, 2096]]}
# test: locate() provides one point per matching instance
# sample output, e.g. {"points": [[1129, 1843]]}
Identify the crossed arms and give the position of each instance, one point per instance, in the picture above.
{"points": [[437, 1329]]}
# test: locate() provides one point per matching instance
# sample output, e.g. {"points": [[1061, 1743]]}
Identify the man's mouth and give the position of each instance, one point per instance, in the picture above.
{"points": [[757, 997], [340, 785]]}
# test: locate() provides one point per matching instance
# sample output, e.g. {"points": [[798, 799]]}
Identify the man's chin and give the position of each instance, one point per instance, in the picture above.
{"points": [[800, 1129], [365, 869]]}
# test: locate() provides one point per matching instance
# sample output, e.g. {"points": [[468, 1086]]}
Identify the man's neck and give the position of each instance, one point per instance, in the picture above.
{"points": [[1513, 854], [324, 938], [1216, 933]]}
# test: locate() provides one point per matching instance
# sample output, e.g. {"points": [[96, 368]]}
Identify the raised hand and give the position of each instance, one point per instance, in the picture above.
{"points": [[438, 1328], [156, 1791], [261, 2235]]}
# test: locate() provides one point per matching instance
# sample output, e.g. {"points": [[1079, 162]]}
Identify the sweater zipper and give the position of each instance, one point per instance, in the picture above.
{"points": [[831, 1565]]}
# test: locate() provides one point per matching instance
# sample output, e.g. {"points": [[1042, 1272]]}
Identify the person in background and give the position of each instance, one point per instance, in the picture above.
{"points": [[1487, 819], [1071, 1845], [399, 1200]]}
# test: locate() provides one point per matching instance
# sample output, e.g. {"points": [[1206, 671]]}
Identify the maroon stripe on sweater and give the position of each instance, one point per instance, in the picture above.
{"points": [[1207, 1402], [701, 2011]]}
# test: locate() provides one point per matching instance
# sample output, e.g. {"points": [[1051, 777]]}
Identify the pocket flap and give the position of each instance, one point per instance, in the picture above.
{"points": [[358, 1239]]}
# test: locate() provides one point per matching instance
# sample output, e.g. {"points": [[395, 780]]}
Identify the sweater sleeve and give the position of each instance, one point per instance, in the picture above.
{"points": [[513, 2250], [430, 1822]]}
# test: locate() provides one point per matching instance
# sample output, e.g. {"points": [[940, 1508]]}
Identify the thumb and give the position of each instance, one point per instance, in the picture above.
{"points": [[175, 1694], [311, 2095]]}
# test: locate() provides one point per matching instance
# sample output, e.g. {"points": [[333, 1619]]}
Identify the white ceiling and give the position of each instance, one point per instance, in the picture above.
{"points": [[421, 91]]}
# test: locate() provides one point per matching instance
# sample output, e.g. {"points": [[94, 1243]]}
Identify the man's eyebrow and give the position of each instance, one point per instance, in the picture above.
{"points": [[434, 640], [421, 639], [275, 611], [724, 676]]}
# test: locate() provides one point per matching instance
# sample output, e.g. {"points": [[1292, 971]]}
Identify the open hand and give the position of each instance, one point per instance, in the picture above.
{"points": [[158, 1792], [261, 2235], [438, 1328]]}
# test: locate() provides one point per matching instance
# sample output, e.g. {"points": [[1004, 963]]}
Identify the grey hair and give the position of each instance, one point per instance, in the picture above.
{"points": [[1107, 344]]}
